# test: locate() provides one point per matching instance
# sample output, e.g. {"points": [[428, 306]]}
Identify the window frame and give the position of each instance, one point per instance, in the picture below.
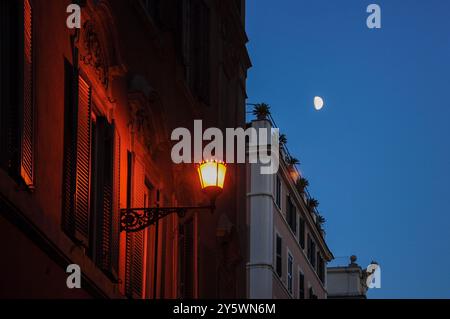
{"points": [[278, 255], [290, 272], [301, 231], [103, 177], [291, 214], [301, 284], [278, 191]]}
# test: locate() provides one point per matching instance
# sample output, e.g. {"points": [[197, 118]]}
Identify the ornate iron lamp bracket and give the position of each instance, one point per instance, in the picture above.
{"points": [[136, 219]]}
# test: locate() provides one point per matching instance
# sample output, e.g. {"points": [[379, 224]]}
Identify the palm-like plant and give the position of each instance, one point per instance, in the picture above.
{"points": [[312, 204], [292, 161], [261, 111], [282, 140], [321, 220], [302, 184]]}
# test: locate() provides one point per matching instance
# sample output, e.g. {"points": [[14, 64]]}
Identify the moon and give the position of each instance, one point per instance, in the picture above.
{"points": [[318, 103]]}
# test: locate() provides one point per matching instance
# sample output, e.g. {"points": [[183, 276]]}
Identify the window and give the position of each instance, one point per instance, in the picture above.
{"points": [[278, 192], [278, 262], [194, 43], [10, 83], [301, 285], [313, 254], [77, 156], [151, 238], [308, 251], [17, 113], [187, 259], [290, 265], [105, 185], [91, 176], [311, 251], [27, 116], [291, 214], [320, 267], [301, 233], [318, 263]]}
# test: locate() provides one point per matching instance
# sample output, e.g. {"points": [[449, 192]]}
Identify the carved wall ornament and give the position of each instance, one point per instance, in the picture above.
{"points": [[143, 122], [92, 53]]}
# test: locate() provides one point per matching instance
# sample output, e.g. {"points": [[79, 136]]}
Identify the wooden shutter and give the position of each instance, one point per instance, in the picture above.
{"points": [[135, 241], [301, 282], [278, 265], [102, 192], [301, 234], [190, 258], [278, 192], [9, 82], [195, 47], [128, 239], [318, 263], [69, 160], [204, 85], [77, 156], [106, 192], [309, 243], [187, 259], [291, 215], [83, 156], [313, 253], [183, 32], [200, 37], [288, 211], [190, 50], [115, 229], [320, 267], [27, 116], [16, 80]]}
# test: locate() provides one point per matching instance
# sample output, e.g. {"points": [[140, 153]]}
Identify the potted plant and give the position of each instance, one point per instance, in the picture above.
{"points": [[312, 204], [292, 161], [302, 184], [282, 140], [261, 111], [321, 220]]}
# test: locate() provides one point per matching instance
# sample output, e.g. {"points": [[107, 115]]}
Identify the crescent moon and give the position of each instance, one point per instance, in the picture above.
{"points": [[318, 103]]}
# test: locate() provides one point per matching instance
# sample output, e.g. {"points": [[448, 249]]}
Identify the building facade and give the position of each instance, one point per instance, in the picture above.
{"points": [[287, 249], [86, 118], [347, 282]]}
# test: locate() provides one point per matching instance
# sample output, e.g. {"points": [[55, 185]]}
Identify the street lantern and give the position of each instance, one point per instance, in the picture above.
{"points": [[212, 178]]}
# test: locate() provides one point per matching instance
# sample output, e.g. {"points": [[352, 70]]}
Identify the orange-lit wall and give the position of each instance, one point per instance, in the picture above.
{"points": [[34, 249]]}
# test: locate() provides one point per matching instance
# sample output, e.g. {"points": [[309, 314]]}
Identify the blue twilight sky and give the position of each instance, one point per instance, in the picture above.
{"points": [[378, 155]]}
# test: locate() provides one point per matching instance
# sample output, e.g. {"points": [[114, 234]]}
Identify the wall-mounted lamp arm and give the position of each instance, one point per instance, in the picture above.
{"points": [[136, 219]]}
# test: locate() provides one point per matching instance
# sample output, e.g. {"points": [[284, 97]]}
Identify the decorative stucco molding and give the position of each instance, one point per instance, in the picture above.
{"points": [[92, 52]]}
